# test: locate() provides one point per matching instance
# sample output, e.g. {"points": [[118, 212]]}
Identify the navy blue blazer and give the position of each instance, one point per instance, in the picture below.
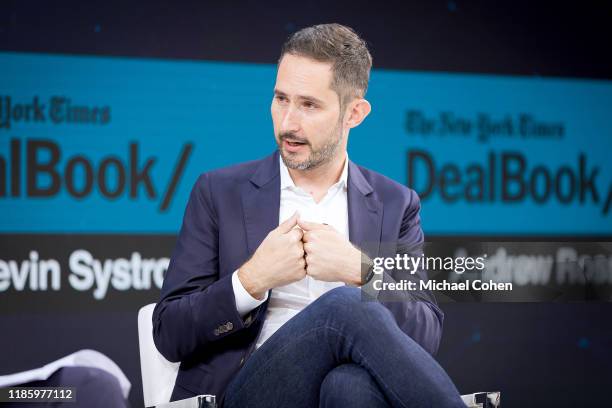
{"points": [[229, 213]]}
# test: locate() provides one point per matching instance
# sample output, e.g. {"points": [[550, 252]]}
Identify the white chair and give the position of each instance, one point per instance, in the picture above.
{"points": [[159, 375]]}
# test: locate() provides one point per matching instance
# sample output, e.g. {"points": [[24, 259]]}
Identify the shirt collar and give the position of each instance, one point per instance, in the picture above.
{"points": [[287, 182]]}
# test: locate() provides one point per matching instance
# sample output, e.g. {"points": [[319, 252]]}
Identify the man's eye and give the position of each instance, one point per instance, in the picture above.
{"points": [[281, 98], [309, 105]]}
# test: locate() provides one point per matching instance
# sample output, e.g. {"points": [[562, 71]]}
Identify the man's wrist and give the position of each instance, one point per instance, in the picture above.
{"points": [[249, 284], [355, 277], [367, 269], [245, 303]]}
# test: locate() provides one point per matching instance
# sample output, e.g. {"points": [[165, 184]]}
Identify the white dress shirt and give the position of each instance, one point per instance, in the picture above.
{"points": [[287, 301]]}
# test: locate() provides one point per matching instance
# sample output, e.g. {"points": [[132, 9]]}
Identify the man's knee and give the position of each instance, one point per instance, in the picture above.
{"points": [[346, 303], [342, 298], [350, 385]]}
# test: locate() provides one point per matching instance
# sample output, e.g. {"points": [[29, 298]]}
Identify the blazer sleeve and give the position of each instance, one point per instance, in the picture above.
{"points": [[197, 306], [416, 312]]}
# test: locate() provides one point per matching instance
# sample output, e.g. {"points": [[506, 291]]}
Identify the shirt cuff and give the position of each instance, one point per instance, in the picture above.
{"points": [[244, 301]]}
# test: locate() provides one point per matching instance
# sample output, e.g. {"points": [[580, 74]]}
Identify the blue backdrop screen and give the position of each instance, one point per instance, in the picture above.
{"points": [[114, 145]]}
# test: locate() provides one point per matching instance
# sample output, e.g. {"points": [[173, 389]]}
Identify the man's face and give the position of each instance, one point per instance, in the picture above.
{"points": [[306, 113]]}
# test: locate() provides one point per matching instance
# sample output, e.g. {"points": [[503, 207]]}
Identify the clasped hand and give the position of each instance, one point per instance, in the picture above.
{"points": [[295, 249]]}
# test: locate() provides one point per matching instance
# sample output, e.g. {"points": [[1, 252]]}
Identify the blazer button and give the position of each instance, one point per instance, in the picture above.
{"points": [[229, 326]]}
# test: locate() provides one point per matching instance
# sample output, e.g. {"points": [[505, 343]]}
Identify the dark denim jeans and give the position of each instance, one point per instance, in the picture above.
{"points": [[341, 351]]}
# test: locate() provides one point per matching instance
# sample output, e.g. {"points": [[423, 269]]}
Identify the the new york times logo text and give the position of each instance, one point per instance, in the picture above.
{"points": [[56, 110]]}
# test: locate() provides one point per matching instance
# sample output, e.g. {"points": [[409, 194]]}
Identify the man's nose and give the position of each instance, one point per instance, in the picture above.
{"points": [[291, 120]]}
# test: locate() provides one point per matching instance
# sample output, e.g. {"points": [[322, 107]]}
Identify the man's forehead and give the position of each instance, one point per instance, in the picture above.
{"points": [[304, 76]]}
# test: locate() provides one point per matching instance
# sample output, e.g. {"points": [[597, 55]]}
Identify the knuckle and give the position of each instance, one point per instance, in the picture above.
{"points": [[298, 252]]}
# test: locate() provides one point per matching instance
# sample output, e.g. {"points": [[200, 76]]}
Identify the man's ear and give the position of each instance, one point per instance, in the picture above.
{"points": [[357, 111]]}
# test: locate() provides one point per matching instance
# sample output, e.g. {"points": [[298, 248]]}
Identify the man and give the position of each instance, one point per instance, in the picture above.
{"points": [[259, 303]]}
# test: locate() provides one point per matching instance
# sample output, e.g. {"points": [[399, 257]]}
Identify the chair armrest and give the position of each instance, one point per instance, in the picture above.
{"points": [[482, 399], [200, 401]]}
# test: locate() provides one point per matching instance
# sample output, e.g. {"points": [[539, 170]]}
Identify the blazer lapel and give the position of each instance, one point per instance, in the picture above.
{"points": [[365, 213], [261, 201], [261, 204]]}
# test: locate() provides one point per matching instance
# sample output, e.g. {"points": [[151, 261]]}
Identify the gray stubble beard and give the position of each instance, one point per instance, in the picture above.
{"points": [[316, 157]]}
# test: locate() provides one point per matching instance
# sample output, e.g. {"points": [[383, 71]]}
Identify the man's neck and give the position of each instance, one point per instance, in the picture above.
{"points": [[318, 180]]}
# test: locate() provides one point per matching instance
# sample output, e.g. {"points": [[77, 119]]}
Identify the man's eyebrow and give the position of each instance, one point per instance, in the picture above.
{"points": [[302, 97], [311, 99]]}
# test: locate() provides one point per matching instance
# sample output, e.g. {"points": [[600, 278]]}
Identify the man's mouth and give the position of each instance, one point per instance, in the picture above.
{"points": [[293, 146], [294, 142]]}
